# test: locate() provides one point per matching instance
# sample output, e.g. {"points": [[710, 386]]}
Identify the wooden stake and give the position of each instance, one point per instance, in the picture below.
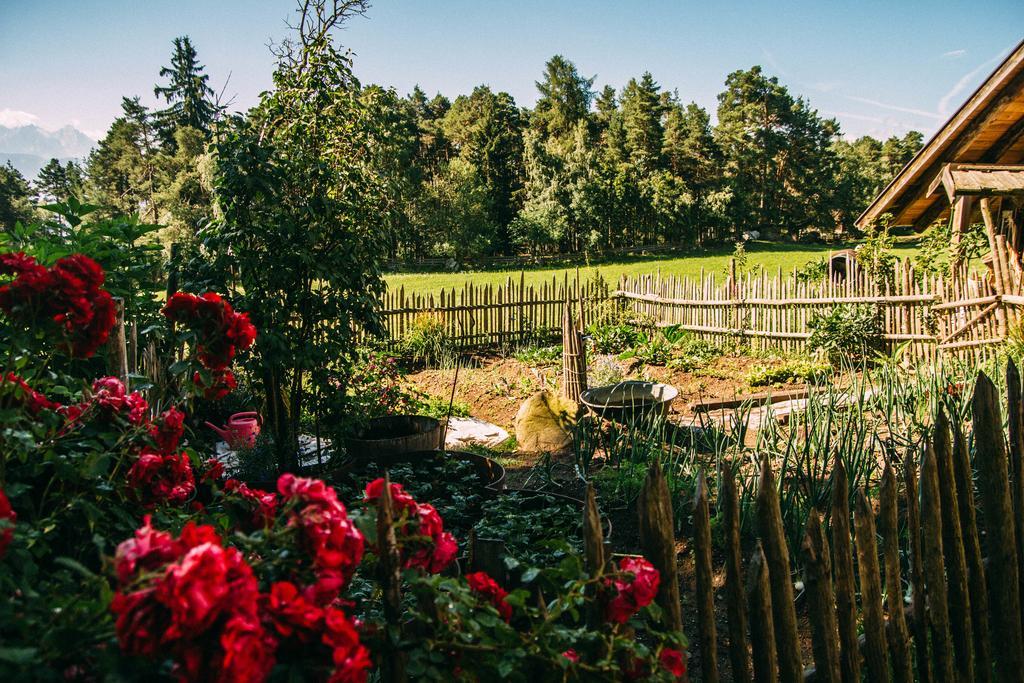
{"points": [[875, 659], [842, 561], [705, 586], [762, 629], [1001, 542], [953, 547], [735, 603], [888, 524], [772, 533], [820, 601], [657, 539], [934, 571], [920, 624]]}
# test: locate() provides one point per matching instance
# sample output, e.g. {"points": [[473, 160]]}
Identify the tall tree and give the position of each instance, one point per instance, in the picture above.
{"points": [[565, 98], [486, 130], [56, 181], [15, 197], [188, 91], [691, 153], [641, 122]]}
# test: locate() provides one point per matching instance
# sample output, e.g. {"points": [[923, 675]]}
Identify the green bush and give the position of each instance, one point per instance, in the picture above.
{"points": [[614, 338], [798, 370], [848, 333], [427, 342]]}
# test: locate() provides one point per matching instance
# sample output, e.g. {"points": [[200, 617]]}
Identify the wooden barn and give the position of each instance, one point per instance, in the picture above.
{"points": [[972, 170]]}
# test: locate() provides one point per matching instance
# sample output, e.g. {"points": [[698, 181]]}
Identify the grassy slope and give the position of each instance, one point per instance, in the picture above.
{"points": [[770, 256]]}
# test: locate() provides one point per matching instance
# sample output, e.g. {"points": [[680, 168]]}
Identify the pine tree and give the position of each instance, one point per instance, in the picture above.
{"points": [[15, 197], [56, 181], [565, 98], [641, 122], [188, 92]]}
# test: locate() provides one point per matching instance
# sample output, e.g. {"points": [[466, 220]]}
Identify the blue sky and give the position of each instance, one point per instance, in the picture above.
{"points": [[878, 67]]}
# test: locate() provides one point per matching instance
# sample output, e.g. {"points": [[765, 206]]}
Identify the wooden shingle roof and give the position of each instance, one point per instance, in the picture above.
{"points": [[979, 180], [987, 129]]}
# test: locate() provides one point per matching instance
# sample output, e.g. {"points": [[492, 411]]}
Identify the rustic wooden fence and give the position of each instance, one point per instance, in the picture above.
{"points": [[488, 315], [955, 537], [929, 314]]}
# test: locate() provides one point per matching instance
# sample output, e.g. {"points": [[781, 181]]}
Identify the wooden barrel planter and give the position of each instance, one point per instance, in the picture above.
{"points": [[486, 554], [630, 401], [394, 435]]}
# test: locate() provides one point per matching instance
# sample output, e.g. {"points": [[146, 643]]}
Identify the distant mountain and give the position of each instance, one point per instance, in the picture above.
{"points": [[28, 148]]}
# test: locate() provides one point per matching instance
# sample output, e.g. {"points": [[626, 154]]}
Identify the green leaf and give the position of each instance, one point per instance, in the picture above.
{"points": [[18, 655]]}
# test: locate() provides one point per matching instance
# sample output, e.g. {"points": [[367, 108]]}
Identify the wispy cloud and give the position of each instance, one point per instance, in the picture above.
{"points": [[894, 107], [966, 80], [12, 118], [954, 54]]}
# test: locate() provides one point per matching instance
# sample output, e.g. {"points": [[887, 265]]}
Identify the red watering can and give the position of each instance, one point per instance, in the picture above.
{"points": [[241, 429]]}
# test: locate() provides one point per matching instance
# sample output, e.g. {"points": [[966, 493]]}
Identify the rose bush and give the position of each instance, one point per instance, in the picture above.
{"points": [[125, 554]]}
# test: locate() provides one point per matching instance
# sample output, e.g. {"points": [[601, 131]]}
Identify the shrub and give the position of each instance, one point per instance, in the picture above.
{"points": [[653, 351], [427, 342], [797, 370], [614, 337], [847, 333]]}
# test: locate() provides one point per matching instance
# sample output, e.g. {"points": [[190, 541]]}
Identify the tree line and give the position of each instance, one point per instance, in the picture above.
{"points": [[585, 169]]}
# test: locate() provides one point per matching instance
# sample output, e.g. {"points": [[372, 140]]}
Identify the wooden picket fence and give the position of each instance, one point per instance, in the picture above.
{"points": [[929, 315], [965, 566], [488, 315]]}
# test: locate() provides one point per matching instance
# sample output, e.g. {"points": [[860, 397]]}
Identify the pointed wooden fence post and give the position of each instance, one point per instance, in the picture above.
{"points": [[773, 538], [888, 525], [658, 541], [734, 594], [972, 553], [390, 569], [705, 586], [593, 551], [1015, 419], [953, 547], [921, 653], [1001, 539], [821, 606], [934, 569], [842, 563], [875, 659], [762, 630]]}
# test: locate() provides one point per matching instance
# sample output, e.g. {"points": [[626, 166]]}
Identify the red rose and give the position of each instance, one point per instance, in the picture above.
{"points": [[351, 659], [157, 478], [261, 505], [168, 430], [147, 551], [140, 621], [248, 650], [673, 662], [137, 408], [332, 540], [425, 545], [180, 307], [33, 401], [571, 655], [109, 393], [632, 594], [214, 470], [7, 519], [487, 588], [289, 613]]}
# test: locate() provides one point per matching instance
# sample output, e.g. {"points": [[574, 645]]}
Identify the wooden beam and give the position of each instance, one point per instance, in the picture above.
{"points": [[1005, 142], [950, 141]]}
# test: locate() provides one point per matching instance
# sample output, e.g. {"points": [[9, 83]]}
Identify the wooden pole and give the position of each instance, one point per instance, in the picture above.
{"points": [[842, 561], [1015, 420], [762, 629], [705, 583], [888, 525], [875, 659], [389, 566], [735, 603], [972, 554], [920, 624], [1001, 541], [820, 601], [773, 536], [953, 548], [934, 571], [657, 539]]}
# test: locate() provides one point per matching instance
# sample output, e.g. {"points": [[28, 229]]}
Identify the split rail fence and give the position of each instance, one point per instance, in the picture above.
{"points": [[930, 314]]}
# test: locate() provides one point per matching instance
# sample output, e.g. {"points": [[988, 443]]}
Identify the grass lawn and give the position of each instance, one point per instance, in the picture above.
{"points": [[768, 255]]}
